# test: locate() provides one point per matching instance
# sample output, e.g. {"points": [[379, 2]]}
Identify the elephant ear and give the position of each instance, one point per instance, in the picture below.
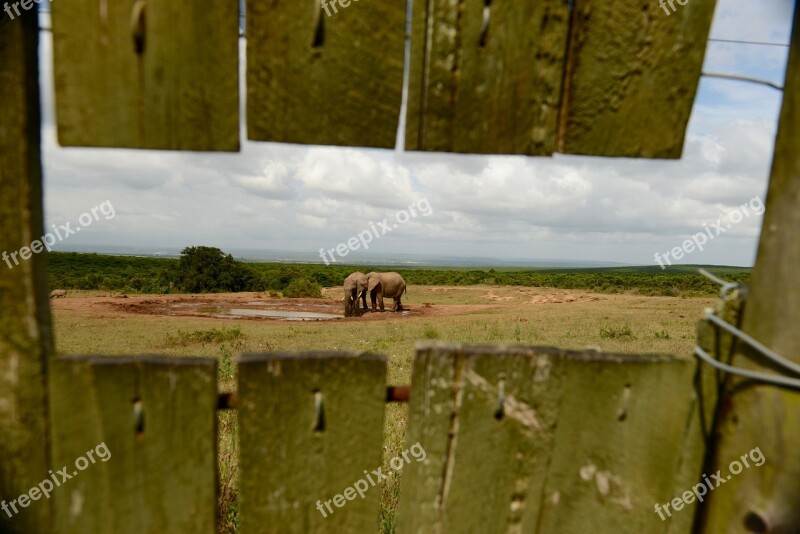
{"points": [[373, 283]]}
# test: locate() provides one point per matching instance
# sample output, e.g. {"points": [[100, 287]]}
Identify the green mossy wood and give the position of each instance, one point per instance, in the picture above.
{"points": [[527, 77], [764, 499], [180, 93], [328, 80], [25, 335], [290, 459], [557, 459], [492, 88], [610, 79], [632, 77], [161, 476]]}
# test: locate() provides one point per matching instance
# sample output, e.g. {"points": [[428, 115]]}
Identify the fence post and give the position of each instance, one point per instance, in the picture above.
{"points": [[535, 439], [311, 431], [138, 436], [25, 339], [764, 498]]}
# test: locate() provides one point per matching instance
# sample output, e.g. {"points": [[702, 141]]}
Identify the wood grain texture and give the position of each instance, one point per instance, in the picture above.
{"points": [[180, 93], [492, 91], [328, 80], [25, 330], [632, 77], [759, 415], [586, 441], [287, 465], [161, 473]]}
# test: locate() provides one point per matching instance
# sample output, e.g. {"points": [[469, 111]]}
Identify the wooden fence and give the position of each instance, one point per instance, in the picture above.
{"points": [[518, 439], [519, 77]]}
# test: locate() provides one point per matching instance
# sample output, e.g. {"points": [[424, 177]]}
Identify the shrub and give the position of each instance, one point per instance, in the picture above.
{"points": [[209, 270], [621, 332], [302, 288], [430, 332], [212, 335]]}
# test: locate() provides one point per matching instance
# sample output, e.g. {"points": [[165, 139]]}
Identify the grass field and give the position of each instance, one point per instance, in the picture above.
{"points": [[87, 323]]}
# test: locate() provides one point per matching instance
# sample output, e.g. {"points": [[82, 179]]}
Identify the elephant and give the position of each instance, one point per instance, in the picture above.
{"points": [[351, 294], [381, 285]]}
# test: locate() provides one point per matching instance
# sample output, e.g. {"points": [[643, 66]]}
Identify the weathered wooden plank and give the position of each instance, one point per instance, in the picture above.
{"points": [[483, 474], [632, 76], [294, 460], [174, 87], [486, 77], [319, 79], [584, 443], [25, 331], [764, 498], [152, 426], [621, 446]]}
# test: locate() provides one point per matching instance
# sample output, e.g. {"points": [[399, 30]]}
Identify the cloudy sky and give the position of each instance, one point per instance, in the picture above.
{"points": [[303, 198]]}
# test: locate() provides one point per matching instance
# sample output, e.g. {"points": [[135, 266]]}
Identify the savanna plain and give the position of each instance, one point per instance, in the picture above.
{"points": [[104, 322]]}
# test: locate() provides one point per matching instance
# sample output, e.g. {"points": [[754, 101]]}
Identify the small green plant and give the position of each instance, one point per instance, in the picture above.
{"points": [[388, 520], [302, 288], [517, 334], [663, 334], [494, 332], [226, 362], [212, 335], [430, 332], [620, 332]]}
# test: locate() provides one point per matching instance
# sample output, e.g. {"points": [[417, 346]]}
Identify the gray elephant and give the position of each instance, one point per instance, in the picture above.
{"points": [[351, 294], [380, 285]]}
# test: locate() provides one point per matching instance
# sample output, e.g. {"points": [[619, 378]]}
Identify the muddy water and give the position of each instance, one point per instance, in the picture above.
{"points": [[279, 314]]}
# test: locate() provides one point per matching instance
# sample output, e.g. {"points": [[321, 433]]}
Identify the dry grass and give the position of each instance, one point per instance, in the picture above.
{"points": [[569, 319]]}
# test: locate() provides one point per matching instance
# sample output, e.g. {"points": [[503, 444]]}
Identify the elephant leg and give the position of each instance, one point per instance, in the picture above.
{"points": [[373, 298], [363, 299], [380, 301], [398, 305]]}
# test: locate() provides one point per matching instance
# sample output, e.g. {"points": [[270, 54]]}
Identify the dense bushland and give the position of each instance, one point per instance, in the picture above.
{"points": [[204, 269]]}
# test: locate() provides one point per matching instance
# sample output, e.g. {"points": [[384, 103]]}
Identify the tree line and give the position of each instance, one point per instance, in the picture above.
{"points": [[210, 270]]}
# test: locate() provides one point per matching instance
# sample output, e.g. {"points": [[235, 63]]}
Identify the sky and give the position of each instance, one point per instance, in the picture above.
{"points": [[300, 199]]}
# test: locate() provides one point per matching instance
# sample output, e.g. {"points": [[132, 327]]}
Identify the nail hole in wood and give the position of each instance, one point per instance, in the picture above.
{"points": [[138, 416], [139, 26], [319, 31], [319, 412], [755, 523], [487, 15], [501, 399], [622, 414]]}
